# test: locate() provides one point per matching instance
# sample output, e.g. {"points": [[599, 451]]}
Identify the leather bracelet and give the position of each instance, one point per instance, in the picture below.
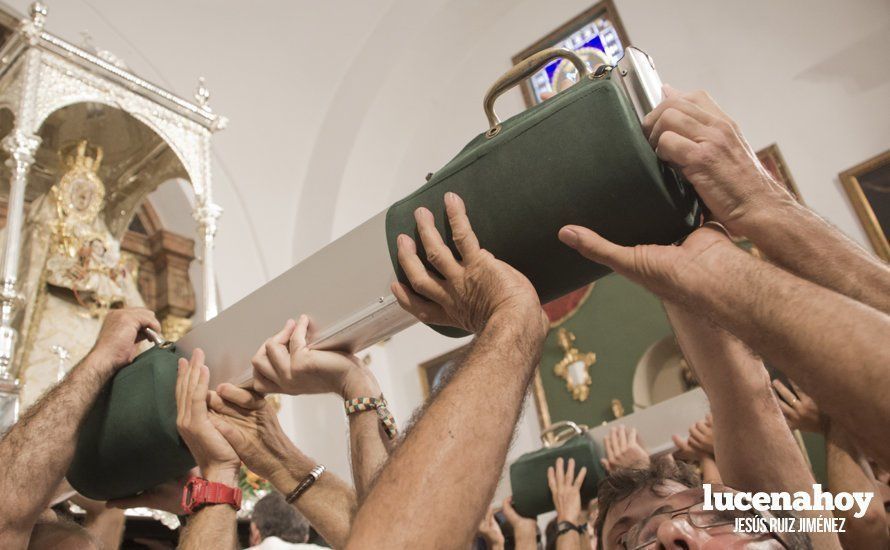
{"points": [[564, 527], [379, 405], [307, 482]]}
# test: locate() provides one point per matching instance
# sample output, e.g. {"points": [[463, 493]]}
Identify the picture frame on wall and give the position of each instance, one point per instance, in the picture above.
{"points": [[772, 159], [868, 187], [597, 35]]}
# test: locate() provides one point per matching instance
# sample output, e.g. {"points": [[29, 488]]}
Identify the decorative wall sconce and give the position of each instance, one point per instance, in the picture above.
{"points": [[574, 366]]}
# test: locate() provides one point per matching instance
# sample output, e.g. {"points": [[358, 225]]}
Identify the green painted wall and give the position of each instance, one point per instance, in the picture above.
{"points": [[618, 322]]}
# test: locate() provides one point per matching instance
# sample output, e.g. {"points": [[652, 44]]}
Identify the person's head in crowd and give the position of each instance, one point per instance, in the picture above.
{"points": [[273, 517], [62, 534], [658, 507]]}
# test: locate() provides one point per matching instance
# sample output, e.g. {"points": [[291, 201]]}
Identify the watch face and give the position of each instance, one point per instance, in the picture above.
{"points": [[191, 494]]}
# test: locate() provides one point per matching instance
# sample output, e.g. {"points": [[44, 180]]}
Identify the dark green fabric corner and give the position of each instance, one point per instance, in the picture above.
{"points": [[129, 442], [578, 158], [528, 475]]}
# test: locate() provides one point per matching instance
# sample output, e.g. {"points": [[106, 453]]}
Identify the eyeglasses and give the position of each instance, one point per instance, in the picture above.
{"points": [[644, 535]]}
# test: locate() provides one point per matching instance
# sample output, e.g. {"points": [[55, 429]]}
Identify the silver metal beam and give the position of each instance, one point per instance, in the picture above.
{"points": [[344, 288]]}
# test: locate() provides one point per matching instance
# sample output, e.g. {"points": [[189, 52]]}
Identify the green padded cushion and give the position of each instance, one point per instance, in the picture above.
{"points": [[577, 158], [528, 475], [129, 442]]}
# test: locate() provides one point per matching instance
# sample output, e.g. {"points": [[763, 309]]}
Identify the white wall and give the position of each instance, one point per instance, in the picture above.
{"points": [[338, 108]]}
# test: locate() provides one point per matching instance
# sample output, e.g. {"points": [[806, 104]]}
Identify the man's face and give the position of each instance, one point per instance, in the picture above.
{"points": [[645, 517]]}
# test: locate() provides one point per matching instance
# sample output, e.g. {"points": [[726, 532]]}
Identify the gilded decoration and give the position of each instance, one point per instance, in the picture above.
{"points": [[73, 272], [84, 257], [574, 367]]}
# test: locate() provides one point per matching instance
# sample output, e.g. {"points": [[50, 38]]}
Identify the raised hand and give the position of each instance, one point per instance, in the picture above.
{"points": [[491, 531], [799, 409], [471, 290], [525, 530], [691, 132], [250, 425], [121, 332], [668, 271], [214, 455], [565, 487], [699, 443], [701, 436], [624, 449], [285, 363]]}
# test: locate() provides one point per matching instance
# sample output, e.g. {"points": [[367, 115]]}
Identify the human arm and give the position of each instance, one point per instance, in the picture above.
{"points": [[690, 131], [37, 451], [251, 427], [745, 413], [847, 467], [408, 506], [286, 363], [624, 450], [525, 530], [797, 326], [565, 488], [848, 471], [213, 525]]}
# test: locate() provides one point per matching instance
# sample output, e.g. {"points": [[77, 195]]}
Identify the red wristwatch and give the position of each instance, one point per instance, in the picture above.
{"points": [[198, 492]]}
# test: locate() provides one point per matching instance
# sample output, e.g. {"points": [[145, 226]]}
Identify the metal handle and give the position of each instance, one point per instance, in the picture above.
{"points": [[561, 432], [156, 338], [520, 72]]}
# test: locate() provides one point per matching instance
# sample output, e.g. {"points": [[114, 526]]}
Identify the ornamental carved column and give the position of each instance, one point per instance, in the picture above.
{"points": [[206, 214], [21, 144], [21, 148]]}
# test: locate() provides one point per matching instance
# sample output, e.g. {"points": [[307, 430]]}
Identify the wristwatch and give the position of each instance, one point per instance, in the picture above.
{"points": [[199, 492], [564, 527]]}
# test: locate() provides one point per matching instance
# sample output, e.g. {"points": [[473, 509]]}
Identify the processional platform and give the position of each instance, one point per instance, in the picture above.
{"points": [[55, 95]]}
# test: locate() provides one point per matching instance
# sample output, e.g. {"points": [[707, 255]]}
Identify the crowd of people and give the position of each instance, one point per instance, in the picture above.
{"points": [[816, 309]]}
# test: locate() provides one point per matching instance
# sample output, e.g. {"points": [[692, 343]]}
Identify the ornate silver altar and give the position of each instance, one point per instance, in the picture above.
{"points": [[53, 93]]}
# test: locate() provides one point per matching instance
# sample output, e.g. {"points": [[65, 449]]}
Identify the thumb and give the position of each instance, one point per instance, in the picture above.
{"points": [[669, 91], [595, 248], [605, 463]]}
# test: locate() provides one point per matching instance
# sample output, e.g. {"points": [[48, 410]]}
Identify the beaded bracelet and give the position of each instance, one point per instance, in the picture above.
{"points": [[378, 404]]}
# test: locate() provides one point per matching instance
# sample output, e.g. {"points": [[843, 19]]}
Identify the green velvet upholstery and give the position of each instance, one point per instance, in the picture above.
{"points": [[577, 158], [528, 475], [129, 442]]}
